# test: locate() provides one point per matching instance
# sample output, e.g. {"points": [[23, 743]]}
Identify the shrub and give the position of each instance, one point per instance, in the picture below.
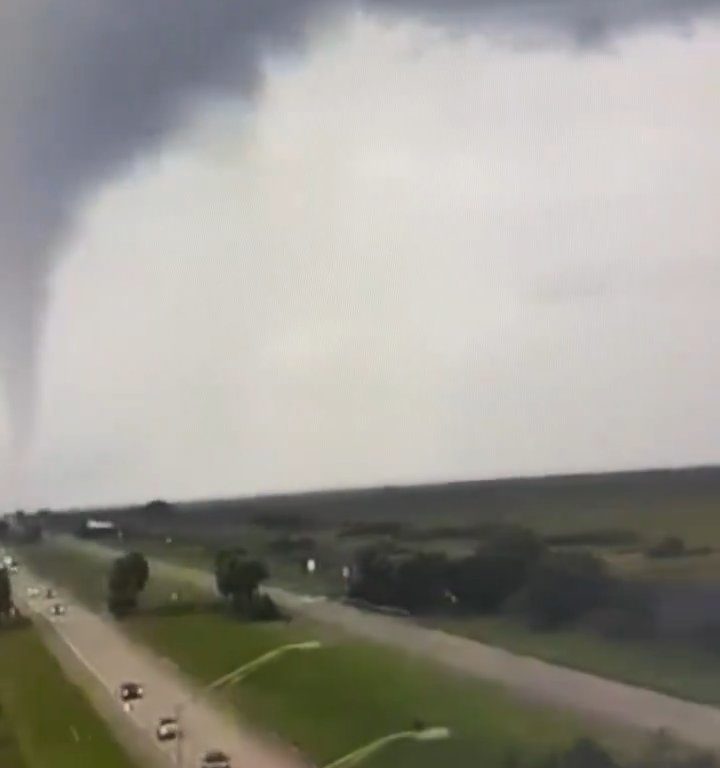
{"points": [[628, 613], [264, 608], [562, 586], [584, 753]]}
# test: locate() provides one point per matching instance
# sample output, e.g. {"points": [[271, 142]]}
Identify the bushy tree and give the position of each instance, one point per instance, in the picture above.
{"points": [[6, 601], [239, 579], [563, 586], [498, 569], [374, 577], [128, 577], [421, 582]]}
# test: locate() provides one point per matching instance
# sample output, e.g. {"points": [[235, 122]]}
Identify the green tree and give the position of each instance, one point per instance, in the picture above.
{"points": [[563, 586], [239, 579], [6, 601], [128, 577]]}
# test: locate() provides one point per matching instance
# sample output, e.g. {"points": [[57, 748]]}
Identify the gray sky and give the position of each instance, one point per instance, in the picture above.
{"points": [[396, 253]]}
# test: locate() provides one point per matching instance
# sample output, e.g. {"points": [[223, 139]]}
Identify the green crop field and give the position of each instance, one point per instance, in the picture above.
{"points": [[9, 749], [45, 720]]}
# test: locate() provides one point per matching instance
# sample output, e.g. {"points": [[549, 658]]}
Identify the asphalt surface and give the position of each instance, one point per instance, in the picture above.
{"points": [[534, 680], [113, 659]]}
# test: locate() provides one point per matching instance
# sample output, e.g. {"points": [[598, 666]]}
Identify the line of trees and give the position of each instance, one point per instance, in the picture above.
{"points": [[512, 568]]}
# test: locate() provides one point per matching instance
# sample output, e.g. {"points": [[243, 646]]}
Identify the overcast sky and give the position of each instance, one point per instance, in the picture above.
{"points": [[414, 255]]}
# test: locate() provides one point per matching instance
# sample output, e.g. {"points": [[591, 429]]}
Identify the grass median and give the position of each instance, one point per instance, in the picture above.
{"points": [[45, 720]]}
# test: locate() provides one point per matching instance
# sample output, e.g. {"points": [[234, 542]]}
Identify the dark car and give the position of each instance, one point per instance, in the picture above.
{"points": [[58, 610], [215, 759], [168, 729], [131, 692], [50, 594]]}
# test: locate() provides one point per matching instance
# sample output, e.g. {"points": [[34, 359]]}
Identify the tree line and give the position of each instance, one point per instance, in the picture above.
{"points": [[512, 568]]}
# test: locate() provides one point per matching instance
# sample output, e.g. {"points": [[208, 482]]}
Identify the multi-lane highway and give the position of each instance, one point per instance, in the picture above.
{"points": [[113, 659]]}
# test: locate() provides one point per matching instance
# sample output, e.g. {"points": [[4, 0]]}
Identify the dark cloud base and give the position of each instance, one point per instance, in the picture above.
{"points": [[85, 85]]}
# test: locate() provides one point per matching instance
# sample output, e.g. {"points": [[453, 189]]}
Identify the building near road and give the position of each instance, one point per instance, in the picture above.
{"points": [[98, 529]]}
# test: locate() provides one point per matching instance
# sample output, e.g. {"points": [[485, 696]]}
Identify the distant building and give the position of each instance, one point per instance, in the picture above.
{"points": [[97, 529]]}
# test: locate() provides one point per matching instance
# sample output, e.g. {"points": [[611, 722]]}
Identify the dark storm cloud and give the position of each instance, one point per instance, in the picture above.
{"points": [[88, 85]]}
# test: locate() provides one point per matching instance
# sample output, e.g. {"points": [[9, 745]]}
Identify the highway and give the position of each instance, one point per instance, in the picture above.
{"points": [[531, 679], [114, 659]]}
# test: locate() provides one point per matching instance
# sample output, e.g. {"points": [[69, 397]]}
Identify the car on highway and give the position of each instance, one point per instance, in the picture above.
{"points": [[215, 759], [50, 594], [131, 692], [58, 610], [33, 592], [168, 729]]}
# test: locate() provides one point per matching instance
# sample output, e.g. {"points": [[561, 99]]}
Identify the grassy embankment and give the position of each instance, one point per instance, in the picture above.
{"points": [[344, 695], [45, 720]]}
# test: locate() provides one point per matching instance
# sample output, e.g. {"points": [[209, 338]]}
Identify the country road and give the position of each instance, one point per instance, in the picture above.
{"points": [[532, 679], [113, 659]]}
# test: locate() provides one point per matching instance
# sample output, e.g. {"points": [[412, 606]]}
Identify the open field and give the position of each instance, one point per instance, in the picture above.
{"points": [[654, 503], [646, 505], [347, 693], [46, 721], [9, 749]]}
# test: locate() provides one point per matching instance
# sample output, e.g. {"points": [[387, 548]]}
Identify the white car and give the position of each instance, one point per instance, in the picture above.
{"points": [[168, 729], [33, 592]]}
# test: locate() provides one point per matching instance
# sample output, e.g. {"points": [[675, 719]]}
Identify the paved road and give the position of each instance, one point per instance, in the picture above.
{"points": [[597, 697], [114, 659]]}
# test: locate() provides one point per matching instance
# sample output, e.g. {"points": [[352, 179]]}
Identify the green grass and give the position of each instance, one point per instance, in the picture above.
{"points": [[349, 693], [673, 668], [47, 721], [86, 576], [9, 749], [336, 699], [670, 667]]}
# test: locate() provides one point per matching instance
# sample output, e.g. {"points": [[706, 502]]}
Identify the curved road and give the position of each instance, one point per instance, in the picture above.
{"points": [[590, 695]]}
